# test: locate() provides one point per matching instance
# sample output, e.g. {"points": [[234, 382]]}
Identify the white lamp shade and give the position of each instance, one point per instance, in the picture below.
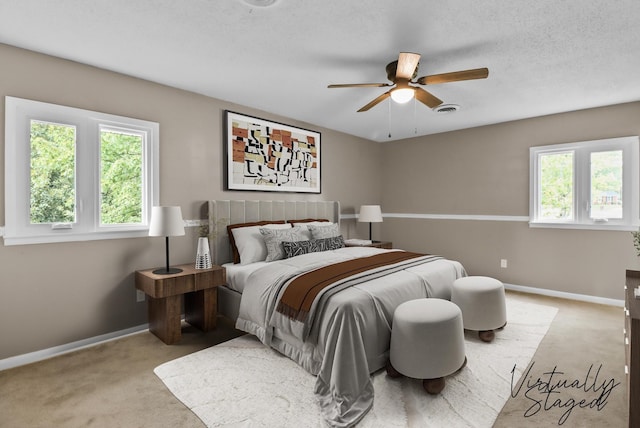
{"points": [[166, 221], [370, 214]]}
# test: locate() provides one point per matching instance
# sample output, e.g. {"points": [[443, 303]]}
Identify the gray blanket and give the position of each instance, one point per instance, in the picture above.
{"points": [[350, 338]]}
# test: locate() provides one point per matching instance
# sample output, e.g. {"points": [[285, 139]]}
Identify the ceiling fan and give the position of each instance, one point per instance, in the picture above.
{"points": [[403, 71]]}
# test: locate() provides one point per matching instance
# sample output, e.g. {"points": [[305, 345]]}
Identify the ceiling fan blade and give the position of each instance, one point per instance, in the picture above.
{"points": [[359, 85], [455, 76], [426, 98], [407, 63], [375, 101]]}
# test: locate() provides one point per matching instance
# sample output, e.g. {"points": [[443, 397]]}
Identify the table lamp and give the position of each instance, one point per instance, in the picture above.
{"points": [[371, 214], [166, 221]]}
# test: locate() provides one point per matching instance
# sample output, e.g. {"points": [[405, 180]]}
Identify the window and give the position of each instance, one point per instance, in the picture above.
{"points": [[121, 182], [75, 174], [588, 185]]}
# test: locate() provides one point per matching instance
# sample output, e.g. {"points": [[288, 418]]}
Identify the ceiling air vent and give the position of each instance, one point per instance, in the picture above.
{"points": [[446, 108]]}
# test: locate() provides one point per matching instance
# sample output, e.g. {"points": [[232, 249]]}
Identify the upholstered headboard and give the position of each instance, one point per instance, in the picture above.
{"points": [[225, 212]]}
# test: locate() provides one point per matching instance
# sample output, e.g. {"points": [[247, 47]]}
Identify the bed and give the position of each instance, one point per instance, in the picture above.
{"points": [[343, 335]]}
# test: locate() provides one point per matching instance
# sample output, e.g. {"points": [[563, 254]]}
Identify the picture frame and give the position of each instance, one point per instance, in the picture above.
{"points": [[263, 155]]}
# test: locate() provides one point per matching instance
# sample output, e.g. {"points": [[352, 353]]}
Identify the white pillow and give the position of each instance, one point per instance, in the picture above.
{"points": [[250, 243], [321, 232], [273, 239], [306, 231]]}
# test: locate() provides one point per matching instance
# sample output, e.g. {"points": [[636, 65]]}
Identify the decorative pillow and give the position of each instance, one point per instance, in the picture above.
{"points": [[313, 246], [247, 243], [309, 222], [320, 232], [273, 239]]}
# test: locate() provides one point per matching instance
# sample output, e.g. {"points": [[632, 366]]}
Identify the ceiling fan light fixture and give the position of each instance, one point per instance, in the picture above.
{"points": [[260, 3], [402, 95]]}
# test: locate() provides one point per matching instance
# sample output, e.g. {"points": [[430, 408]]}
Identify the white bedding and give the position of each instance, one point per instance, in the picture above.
{"points": [[237, 274], [351, 338]]}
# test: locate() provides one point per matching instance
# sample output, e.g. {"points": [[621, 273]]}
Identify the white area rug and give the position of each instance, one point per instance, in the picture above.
{"points": [[241, 383]]}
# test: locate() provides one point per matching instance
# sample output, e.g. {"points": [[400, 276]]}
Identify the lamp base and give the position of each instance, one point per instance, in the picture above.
{"points": [[165, 271]]}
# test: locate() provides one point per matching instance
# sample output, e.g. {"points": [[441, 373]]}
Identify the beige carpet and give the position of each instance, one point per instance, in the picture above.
{"points": [[113, 384], [243, 383]]}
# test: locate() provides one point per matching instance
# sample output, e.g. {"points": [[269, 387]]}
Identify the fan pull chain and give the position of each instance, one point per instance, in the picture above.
{"points": [[415, 116], [389, 118]]}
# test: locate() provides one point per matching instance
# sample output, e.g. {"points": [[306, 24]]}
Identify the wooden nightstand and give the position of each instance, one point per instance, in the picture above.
{"points": [[165, 295], [376, 244]]}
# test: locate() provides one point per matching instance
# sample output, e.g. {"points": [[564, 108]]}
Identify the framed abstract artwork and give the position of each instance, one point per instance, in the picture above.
{"points": [[270, 156]]}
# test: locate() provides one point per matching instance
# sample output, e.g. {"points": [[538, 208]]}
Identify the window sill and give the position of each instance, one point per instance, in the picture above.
{"points": [[77, 237], [602, 226]]}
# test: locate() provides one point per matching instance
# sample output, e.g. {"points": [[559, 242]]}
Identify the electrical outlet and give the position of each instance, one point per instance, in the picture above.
{"points": [[140, 296], [503, 263]]}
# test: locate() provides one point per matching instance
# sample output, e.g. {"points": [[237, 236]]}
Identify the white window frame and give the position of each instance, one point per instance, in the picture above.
{"points": [[582, 184], [18, 228]]}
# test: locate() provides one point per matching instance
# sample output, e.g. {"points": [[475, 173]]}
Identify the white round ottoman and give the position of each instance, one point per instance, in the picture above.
{"points": [[427, 342], [481, 300]]}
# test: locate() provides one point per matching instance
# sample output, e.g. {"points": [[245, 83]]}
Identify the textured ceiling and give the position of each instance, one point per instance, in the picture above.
{"points": [[544, 56]]}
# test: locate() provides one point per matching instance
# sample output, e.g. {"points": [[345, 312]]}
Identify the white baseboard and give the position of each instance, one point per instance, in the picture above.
{"points": [[33, 357], [565, 295]]}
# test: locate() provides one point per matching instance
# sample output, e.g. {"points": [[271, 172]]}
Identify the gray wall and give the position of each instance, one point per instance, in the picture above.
{"points": [[53, 294], [485, 171]]}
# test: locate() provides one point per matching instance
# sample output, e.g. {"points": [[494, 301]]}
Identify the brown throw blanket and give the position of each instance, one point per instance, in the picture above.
{"points": [[298, 297]]}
